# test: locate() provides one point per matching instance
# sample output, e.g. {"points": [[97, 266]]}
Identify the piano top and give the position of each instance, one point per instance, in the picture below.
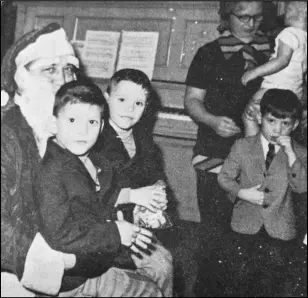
{"points": [[175, 125]]}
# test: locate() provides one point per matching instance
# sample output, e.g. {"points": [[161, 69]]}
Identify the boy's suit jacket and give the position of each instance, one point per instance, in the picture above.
{"points": [[244, 168]]}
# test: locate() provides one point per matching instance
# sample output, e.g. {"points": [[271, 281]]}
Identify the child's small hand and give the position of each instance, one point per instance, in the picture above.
{"points": [[132, 235], [248, 76], [286, 143], [152, 197], [252, 195], [251, 110]]}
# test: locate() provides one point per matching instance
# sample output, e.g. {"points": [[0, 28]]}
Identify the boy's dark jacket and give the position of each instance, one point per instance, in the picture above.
{"points": [[144, 169], [74, 217]]}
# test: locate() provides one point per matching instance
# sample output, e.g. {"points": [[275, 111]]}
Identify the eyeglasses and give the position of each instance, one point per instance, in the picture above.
{"points": [[246, 18], [52, 72]]}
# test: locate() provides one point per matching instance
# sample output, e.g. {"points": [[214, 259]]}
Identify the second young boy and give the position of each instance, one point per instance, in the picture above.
{"points": [[130, 148]]}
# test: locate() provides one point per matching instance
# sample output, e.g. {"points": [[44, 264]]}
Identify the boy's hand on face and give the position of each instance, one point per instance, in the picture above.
{"points": [[252, 195], [286, 143], [132, 235], [152, 197]]}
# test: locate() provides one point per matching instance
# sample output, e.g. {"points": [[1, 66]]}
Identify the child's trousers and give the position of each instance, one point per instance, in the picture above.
{"points": [[158, 266], [152, 278], [116, 283]]}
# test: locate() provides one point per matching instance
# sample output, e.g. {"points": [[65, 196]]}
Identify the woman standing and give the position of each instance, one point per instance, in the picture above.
{"points": [[215, 98]]}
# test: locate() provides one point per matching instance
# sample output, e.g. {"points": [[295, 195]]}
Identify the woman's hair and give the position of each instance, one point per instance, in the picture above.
{"points": [[226, 8], [281, 104], [80, 91]]}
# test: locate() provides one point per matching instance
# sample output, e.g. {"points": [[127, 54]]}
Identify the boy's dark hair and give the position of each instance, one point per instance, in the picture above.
{"points": [[281, 104], [79, 91], [133, 75]]}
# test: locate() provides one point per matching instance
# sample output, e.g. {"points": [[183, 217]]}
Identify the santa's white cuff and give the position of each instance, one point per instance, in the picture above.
{"points": [[44, 267], [11, 286]]}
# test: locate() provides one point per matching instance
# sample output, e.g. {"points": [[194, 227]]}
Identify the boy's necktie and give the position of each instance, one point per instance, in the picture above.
{"points": [[270, 155]]}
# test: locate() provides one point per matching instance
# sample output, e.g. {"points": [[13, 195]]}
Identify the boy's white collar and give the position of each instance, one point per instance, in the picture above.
{"points": [[123, 134], [265, 143]]}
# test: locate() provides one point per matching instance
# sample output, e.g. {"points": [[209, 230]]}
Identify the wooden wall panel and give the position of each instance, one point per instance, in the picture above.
{"points": [[39, 16], [43, 20], [197, 33], [181, 25]]}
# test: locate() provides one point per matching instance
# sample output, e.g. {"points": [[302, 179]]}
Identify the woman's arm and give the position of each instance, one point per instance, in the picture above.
{"points": [[193, 103]]}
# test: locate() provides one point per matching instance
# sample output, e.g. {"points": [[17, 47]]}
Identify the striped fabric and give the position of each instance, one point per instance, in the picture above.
{"points": [[230, 45]]}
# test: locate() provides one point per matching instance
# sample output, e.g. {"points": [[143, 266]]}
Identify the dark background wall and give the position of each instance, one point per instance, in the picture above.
{"points": [[8, 22]]}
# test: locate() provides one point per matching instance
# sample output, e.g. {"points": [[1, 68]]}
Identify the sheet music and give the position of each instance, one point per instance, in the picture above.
{"points": [[138, 50], [99, 53]]}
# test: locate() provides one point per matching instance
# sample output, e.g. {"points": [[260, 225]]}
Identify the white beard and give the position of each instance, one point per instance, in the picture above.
{"points": [[37, 106]]}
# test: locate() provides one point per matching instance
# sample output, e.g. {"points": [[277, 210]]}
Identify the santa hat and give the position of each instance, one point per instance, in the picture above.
{"points": [[49, 41]]}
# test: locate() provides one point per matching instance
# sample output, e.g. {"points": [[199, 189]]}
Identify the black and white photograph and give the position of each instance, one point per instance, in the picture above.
{"points": [[153, 148]]}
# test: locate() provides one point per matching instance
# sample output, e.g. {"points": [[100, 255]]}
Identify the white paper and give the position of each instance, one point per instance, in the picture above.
{"points": [[138, 50], [99, 53]]}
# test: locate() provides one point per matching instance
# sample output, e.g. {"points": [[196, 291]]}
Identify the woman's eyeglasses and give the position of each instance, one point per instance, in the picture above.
{"points": [[246, 18]]}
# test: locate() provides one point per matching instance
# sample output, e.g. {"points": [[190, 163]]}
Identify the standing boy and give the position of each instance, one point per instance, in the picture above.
{"points": [[260, 174]]}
